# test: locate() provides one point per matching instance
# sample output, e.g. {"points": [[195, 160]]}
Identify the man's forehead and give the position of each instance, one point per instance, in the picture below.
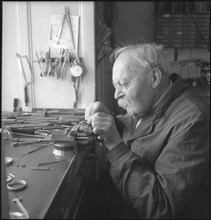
{"points": [[124, 67], [123, 62], [120, 72]]}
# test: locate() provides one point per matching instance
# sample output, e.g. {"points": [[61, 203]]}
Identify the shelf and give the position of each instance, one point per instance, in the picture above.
{"points": [[180, 30]]}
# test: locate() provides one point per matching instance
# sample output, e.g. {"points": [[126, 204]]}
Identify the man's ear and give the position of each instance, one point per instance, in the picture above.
{"points": [[155, 77]]}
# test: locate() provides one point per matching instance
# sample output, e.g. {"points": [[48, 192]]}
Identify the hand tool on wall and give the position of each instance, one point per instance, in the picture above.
{"points": [[60, 62], [51, 72], [51, 34], [60, 28], [53, 68], [39, 62], [67, 18], [64, 66], [47, 61], [43, 63], [19, 58]]}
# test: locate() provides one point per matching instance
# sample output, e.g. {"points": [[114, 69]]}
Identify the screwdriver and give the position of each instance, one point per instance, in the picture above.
{"points": [[39, 148], [49, 162]]}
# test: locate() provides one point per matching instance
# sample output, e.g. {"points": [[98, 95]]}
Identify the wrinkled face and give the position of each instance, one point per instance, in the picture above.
{"points": [[133, 89]]}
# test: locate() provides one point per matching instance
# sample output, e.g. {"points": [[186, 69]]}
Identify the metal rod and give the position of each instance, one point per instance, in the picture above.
{"points": [[40, 147], [39, 168], [11, 175], [50, 162]]}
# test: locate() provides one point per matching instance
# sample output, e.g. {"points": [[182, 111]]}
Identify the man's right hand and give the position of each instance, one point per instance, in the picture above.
{"points": [[94, 108]]}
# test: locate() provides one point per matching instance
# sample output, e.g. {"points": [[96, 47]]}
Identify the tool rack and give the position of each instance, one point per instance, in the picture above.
{"points": [[179, 25]]}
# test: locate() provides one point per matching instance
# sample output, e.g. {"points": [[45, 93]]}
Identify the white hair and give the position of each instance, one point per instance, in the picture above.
{"points": [[146, 56]]}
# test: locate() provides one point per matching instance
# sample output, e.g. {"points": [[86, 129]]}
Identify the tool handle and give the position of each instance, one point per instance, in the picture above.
{"points": [[26, 96], [25, 131], [15, 104]]}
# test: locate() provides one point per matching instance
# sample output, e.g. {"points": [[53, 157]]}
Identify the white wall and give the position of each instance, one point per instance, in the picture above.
{"points": [[10, 76], [27, 31]]}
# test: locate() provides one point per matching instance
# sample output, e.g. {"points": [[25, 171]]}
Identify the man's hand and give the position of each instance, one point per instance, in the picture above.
{"points": [[103, 124], [93, 108]]}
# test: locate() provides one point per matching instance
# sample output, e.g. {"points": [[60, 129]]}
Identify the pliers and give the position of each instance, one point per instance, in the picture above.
{"points": [[65, 63], [39, 62]]}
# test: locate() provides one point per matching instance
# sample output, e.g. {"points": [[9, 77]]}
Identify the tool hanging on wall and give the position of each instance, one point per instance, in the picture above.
{"points": [[57, 38], [58, 66], [20, 64], [65, 63], [39, 62], [76, 71]]}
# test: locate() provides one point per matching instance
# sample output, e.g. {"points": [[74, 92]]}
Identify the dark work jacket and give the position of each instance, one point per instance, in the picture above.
{"points": [[162, 167]]}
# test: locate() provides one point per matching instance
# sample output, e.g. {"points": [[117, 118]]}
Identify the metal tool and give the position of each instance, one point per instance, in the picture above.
{"points": [[29, 142], [47, 61], [65, 16], [83, 133], [11, 175], [39, 168], [15, 105], [48, 139], [30, 124], [8, 178], [64, 66], [49, 162], [39, 148], [88, 140], [60, 62], [42, 59], [24, 214], [53, 67], [74, 130], [19, 57], [26, 135], [51, 34], [39, 62]]}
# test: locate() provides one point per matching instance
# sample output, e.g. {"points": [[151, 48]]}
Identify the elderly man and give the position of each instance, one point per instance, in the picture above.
{"points": [[159, 160]]}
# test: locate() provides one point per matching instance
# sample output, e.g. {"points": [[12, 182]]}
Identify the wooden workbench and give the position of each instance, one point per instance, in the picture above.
{"points": [[54, 193]]}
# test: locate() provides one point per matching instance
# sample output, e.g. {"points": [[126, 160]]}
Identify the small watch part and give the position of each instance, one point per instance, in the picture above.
{"points": [[8, 160]]}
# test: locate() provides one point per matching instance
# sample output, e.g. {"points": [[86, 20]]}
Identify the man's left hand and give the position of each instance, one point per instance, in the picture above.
{"points": [[103, 124]]}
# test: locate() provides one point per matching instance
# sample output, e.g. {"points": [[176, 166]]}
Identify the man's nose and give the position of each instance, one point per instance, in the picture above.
{"points": [[118, 92]]}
